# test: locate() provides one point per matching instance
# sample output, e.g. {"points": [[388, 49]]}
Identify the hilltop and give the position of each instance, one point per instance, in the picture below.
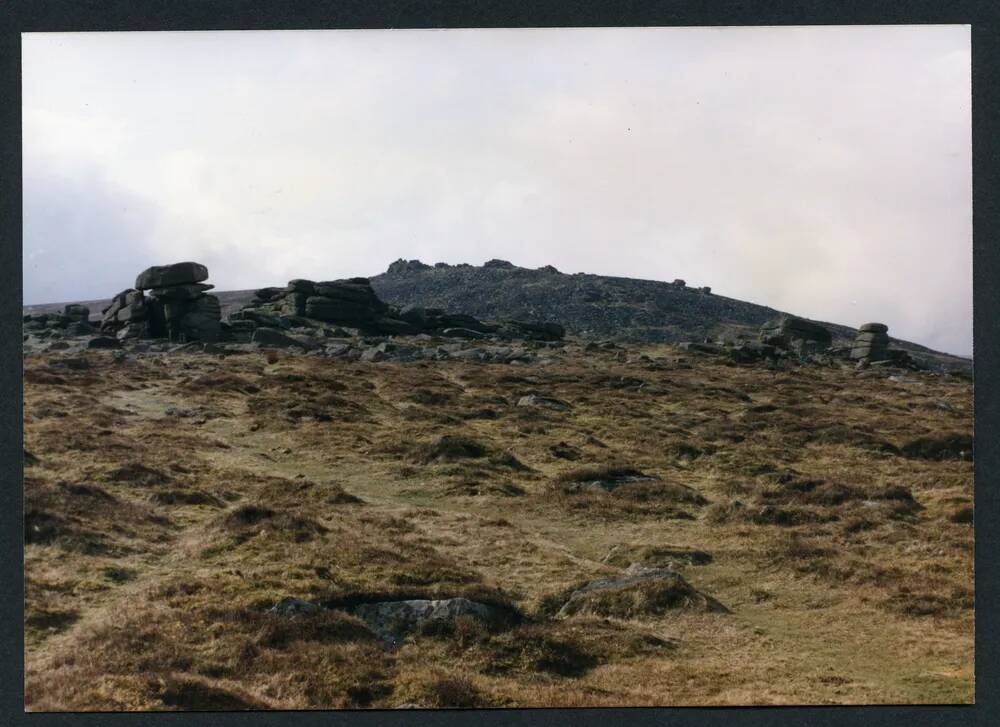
{"points": [[589, 306]]}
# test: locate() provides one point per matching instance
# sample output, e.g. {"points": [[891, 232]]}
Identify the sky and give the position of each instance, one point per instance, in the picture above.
{"points": [[824, 171]]}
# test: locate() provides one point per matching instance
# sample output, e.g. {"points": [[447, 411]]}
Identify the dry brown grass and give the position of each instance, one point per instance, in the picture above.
{"points": [[823, 507]]}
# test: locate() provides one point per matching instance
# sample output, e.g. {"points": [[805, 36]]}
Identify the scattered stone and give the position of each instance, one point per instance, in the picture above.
{"points": [[273, 337], [391, 621], [545, 402]]}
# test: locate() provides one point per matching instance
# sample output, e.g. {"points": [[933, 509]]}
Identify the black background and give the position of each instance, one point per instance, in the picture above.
{"points": [[17, 16]]}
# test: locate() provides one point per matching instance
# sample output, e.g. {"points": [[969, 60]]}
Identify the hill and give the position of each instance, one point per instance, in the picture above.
{"points": [[223, 528], [589, 306], [596, 306]]}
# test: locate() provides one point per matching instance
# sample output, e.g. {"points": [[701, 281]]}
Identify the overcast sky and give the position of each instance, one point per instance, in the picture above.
{"points": [[822, 171]]}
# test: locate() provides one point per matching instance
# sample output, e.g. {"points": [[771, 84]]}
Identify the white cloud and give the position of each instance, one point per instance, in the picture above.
{"points": [[825, 171]]}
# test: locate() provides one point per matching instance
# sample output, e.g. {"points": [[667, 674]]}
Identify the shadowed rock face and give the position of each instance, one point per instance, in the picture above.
{"points": [[169, 302], [592, 306], [160, 276]]}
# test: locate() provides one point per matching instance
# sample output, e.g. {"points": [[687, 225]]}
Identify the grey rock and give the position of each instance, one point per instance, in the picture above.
{"points": [[201, 320], [343, 311], [257, 317], [299, 285], [296, 304], [496, 263], [784, 331], [134, 329], [545, 402], [391, 621], [401, 267], [160, 276], [273, 337], [394, 327], [77, 312], [874, 327], [268, 294]]}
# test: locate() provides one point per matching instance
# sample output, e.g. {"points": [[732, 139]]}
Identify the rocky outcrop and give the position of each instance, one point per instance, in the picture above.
{"points": [[871, 343], [168, 301], [796, 334], [352, 303]]}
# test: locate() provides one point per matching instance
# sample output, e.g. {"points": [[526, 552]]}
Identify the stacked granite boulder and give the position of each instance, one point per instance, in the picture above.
{"points": [[353, 304], [73, 320], [796, 335], [305, 303], [168, 301], [871, 343]]}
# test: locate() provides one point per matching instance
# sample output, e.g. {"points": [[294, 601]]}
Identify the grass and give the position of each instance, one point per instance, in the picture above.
{"points": [[822, 507]]}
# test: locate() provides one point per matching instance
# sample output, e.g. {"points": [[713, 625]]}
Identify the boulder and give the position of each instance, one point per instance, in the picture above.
{"points": [[545, 402], [874, 328], [306, 287], [499, 264], [273, 337], [871, 343], [265, 295], [786, 331], [395, 327], [351, 290], [77, 312], [415, 315], [295, 304], [135, 311], [402, 266], [256, 317], [202, 320], [344, 312], [639, 591], [160, 276], [393, 620], [133, 329]]}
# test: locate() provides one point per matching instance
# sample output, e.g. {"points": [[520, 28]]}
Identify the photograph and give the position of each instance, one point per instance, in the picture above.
{"points": [[497, 368]]}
